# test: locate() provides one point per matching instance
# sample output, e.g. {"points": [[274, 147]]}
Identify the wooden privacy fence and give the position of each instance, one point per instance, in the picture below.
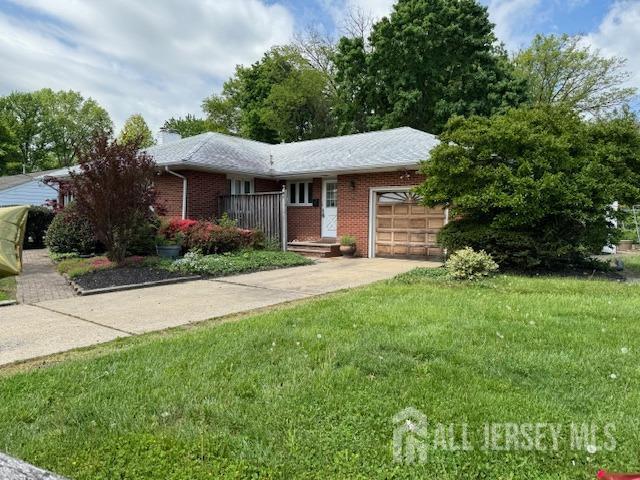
{"points": [[259, 211]]}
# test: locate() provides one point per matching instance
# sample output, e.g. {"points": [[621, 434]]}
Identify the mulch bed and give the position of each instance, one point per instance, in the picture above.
{"points": [[116, 277]]}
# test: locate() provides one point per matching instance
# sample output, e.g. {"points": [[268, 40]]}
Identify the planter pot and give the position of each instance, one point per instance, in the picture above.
{"points": [[348, 250], [168, 251], [625, 245]]}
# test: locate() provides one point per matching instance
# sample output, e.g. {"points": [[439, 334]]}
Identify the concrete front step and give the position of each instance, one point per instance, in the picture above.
{"points": [[322, 249]]}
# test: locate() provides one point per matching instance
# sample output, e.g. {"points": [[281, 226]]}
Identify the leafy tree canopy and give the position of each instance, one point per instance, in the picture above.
{"points": [[190, 125], [533, 187], [49, 127], [135, 129], [561, 70], [114, 191], [280, 98], [429, 60], [9, 150]]}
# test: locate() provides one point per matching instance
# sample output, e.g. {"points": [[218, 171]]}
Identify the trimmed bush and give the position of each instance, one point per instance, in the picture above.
{"points": [[209, 238], [142, 240], [467, 264], [38, 222], [533, 187], [70, 232]]}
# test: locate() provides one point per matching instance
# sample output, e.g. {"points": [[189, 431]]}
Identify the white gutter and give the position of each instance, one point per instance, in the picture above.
{"points": [[184, 190]]}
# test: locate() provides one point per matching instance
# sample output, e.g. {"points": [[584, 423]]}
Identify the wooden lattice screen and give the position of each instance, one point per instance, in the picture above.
{"points": [[259, 211]]}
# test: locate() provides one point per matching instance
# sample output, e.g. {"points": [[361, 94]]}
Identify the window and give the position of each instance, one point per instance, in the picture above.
{"points": [[300, 192], [331, 194], [67, 199], [241, 186]]}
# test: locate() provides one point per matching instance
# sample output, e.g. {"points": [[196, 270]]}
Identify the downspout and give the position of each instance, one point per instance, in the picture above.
{"points": [[184, 190]]}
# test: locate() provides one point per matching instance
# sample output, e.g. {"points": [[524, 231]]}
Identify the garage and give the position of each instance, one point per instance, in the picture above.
{"points": [[404, 228]]}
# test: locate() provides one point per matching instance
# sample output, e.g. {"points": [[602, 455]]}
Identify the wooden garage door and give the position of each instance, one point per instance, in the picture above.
{"points": [[404, 228]]}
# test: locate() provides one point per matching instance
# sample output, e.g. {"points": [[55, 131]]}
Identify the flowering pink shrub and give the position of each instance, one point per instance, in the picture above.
{"points": [[175, 226], [209, 237]]}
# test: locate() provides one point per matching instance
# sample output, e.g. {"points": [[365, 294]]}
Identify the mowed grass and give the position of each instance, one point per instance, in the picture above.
{"points": [[309, 391], [631, 263], [7, 288]]}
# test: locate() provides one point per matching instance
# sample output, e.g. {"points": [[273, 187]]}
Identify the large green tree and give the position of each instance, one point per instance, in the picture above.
{"points": [[50, 127], [561, 69], [70, 123], [280, 98], [136, 130], [9, 151], [534, 187], [24, 114], [429, 60]]}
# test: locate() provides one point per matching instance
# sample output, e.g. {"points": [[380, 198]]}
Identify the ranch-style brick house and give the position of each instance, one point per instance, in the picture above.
{"points": [[354, 184]]}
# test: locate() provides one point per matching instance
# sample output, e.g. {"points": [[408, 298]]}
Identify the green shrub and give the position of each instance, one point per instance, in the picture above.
{"points": [[70, 232], [225, 221], [142, 240], [348, 240], [467, 264], [533, 187], [38, 222]]}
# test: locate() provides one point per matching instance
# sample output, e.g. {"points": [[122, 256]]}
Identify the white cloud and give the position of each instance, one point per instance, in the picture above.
{"points": [[619, 35], [376, 8], [514, 20], [158, 58], [339, 10]]}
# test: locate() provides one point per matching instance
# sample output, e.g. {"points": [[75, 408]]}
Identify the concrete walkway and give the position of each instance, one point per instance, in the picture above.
{"points": [[30, 331], [39, 281]]}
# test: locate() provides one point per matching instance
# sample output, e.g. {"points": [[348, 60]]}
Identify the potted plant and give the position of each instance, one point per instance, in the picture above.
{"points": [[169, 246], [348, 245]]}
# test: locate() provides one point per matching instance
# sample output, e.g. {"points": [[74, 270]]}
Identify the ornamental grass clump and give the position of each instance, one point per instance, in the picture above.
{"points": [[467, 264]]}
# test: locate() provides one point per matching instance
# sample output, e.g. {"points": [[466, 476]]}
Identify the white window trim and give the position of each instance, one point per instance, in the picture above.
{"points": [[306, 182], [373, 191], [235, 179]]}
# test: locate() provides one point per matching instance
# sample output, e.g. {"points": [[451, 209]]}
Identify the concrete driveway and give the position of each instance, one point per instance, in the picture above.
{"points": [[31, 331]]}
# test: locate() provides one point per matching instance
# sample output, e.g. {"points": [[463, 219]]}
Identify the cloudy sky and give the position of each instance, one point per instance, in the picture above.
{"points": [[162, 57]]}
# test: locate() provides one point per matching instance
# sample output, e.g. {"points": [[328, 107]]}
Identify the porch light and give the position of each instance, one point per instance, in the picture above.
{"points": [[353, 184]]}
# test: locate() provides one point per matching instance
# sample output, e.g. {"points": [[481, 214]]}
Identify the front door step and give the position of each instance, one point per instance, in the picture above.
{"points": [[315, 248]]}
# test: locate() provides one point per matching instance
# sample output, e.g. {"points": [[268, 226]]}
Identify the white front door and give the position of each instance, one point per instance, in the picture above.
{"points": [[329, 207]]}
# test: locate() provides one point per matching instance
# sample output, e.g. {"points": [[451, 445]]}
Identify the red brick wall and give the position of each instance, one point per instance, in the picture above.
{"points": [[304, 223], [266, 185], [353, 203], [203, 189]]}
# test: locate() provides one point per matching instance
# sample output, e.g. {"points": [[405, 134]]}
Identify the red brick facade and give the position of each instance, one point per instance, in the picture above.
{"points": [[353, 201], [304, 222], [266, 185], [203, 190]]}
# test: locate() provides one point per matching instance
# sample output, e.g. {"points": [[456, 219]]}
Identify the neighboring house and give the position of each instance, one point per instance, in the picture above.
{"points": [[26, 190], [354, 184]]}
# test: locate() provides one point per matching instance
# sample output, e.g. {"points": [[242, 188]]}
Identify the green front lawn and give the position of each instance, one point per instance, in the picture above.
{"points": [[7, 288], [631, 263], [310, 390]]}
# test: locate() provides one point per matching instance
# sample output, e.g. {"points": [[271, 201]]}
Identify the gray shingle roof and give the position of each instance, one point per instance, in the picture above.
{"points": [[211, 150], [398, 147], [394, 148], [11, 181]]}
